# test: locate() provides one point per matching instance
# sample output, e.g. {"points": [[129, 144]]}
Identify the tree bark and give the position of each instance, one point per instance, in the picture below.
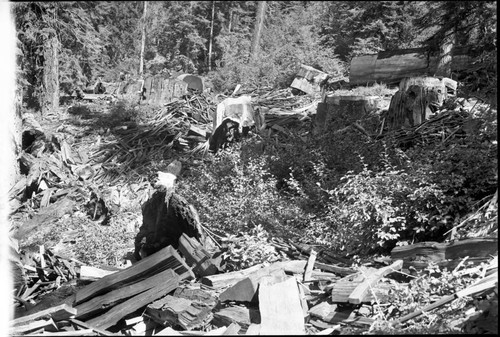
{"points": [[259, 24], [143, 41], [211, 37], [50, 98], [444, 59]]}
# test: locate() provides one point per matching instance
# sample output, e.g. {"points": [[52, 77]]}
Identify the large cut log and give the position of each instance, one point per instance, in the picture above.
{"points": [[392, 66], [425, 252], [111, 317], [196, 256], [167, 258], [280, 309], [101, 303]]}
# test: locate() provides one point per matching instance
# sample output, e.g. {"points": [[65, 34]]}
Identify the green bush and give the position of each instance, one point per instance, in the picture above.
{"points": [[232, 195], [372, 211]]}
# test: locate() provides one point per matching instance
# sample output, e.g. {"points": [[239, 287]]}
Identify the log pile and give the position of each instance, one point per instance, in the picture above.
{"points": [[170, 293], [439, 129]]}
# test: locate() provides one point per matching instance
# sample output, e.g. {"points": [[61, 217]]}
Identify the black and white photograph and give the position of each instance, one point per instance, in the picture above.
{"points": [[192, 168]]}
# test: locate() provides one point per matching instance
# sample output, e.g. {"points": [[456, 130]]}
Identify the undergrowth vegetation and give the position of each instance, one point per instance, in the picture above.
{"points": [[347, 191]]}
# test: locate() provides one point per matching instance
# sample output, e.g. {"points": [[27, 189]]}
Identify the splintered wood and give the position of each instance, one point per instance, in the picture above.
{"points": [[167, 258], [280, 308]]}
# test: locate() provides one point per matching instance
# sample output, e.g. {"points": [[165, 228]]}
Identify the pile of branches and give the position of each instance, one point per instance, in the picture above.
{"points": [[137, 145], [439, 129]]}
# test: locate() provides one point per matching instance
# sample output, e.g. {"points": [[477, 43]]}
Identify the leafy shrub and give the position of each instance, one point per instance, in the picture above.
{"points": [[232, 195], [372, 210], [248, 249]]}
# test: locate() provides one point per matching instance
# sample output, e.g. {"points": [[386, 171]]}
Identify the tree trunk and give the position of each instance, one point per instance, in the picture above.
{"points": [[230, 20], [50, 98], [444, 59], [211, 37], [259, 24], [143, 41]]}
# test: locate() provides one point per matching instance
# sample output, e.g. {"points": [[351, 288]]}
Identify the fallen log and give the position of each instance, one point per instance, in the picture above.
{"points": [[420, 254], [111, 317], [167, 258], [392, 66]]}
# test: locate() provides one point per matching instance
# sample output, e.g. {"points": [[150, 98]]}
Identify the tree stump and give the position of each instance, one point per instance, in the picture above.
{"points": [[341, 111], [166, 216]]}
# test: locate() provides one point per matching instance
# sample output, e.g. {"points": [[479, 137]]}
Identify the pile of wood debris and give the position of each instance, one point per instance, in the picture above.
{"points": [[184, 292]]}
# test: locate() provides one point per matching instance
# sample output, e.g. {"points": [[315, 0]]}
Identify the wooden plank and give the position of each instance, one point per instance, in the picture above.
{"points": [[228, 279], [168, 332], [167, 258], [196, 256], [232, 329], [100, 303], [231, 278], [253, 329], [310, 265], [246, 289], [303, 301], [82, 332], [29, 327], [58, 313], [342, 289], [88, 273], [334, 269], [358, 294], [280, 308], [112, 316], [88, 326]]}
